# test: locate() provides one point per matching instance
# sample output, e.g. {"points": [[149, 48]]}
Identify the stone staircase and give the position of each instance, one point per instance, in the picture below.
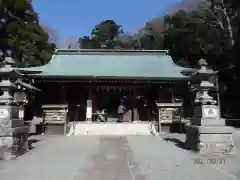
{"points": [[110, 129]]}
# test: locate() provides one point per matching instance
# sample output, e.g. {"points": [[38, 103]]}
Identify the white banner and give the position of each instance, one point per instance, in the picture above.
{"points": [[89, 109]]}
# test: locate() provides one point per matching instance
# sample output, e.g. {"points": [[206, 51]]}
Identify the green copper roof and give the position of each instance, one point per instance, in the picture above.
{"points": [[109, 63]]}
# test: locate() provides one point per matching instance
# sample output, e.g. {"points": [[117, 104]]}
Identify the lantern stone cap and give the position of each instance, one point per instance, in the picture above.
{"points": [[25, 85], [9, 60]]}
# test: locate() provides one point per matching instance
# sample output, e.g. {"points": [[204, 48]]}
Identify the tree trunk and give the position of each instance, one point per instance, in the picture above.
{"points": [[229, 28]]}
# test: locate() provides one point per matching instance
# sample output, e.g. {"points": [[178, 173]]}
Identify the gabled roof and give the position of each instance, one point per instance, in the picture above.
{"points": [[129, 64]]}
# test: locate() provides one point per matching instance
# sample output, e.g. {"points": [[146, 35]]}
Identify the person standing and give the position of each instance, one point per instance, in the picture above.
{"points": [[121, 111]]}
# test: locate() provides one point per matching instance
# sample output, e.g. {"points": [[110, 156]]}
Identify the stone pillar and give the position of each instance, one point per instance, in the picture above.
{"points": [[13, 133], [207, 132]]}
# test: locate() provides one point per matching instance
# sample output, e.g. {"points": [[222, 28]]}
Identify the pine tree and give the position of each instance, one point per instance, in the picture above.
{"points": [[21, 33]]}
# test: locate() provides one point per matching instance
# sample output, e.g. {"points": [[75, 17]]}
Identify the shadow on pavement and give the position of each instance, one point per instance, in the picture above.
{"points": [[32, 139], [177, 142], [233, 123], [31, 143]]}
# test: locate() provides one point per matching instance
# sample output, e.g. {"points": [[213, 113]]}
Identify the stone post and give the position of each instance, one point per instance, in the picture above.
{"points": [[13, 133], [207, 132]]}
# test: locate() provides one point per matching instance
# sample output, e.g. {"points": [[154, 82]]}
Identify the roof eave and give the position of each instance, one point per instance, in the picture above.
{"points": [[105, 77]]}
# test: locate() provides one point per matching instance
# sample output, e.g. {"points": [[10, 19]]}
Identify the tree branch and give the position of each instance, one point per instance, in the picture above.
{"points": [[219, 9], [217, 21]]}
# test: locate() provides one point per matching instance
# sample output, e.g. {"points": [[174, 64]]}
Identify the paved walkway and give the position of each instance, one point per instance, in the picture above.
{"points": [[109, 158]]}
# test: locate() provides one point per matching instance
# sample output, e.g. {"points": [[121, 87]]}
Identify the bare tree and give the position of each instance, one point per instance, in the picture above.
{"points": [[223, 14]]}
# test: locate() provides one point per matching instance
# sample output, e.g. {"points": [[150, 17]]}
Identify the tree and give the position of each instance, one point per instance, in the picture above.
{"points": [[151, 35], [126, 41], [104, 35], [21, 33], [87, 42], [188, 36]]}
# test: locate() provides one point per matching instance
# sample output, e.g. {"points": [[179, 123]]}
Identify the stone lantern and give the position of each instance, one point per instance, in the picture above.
{"points": [[13, 132], [207, 132]]}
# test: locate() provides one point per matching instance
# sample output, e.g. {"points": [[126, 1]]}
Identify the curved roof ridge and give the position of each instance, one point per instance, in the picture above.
{"points": [[109, 51]]}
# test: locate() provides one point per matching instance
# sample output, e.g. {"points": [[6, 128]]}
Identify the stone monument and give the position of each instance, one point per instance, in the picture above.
{"points": [[13, 133], [207, 132]]}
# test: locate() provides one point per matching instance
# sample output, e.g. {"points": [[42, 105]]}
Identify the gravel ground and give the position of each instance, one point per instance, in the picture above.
{"points": [[113, 158]]}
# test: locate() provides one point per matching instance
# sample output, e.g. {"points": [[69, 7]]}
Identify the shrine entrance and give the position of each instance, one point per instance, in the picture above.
{"points": [[107, 103], [106, 99]]}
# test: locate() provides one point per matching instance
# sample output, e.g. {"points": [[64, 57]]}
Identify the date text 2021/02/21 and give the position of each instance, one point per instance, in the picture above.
{"points": [[209, 161]]}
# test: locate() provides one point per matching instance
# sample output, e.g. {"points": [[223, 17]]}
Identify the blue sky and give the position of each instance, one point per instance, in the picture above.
{"points": [[78, 17]]}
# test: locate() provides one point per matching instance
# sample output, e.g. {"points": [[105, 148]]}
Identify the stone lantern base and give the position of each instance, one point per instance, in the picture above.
{"points": [[13, 133], [208, 134], [210, 139]]}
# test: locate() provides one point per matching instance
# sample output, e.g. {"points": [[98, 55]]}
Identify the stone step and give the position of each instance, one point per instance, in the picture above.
{"points": [[111, 129]]}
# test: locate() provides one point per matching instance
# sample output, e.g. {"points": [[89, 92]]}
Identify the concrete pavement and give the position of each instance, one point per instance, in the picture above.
{"points": [[110, 158]]}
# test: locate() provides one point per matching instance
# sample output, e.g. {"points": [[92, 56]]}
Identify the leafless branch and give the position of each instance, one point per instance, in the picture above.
{"points": [[219, 9], [217, 21]]}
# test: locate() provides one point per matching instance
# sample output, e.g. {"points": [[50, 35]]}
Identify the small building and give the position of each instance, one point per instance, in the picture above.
{"points": [[92, 83]]}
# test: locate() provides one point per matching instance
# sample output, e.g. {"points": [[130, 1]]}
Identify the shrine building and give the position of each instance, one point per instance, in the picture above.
{"points": [[90, 85]]}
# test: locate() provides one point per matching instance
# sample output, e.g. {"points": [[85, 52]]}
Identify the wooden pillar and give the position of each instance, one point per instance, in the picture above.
{"points": [[94, 104], [64, 95], [94, 101], [69, 94]]}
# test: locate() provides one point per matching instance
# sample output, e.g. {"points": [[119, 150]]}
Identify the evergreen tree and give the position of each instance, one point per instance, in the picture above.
{"points": [[21, 33]]}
